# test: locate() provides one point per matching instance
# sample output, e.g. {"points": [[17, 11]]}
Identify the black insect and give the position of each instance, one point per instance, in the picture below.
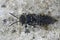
{"points": [[35, 19]]}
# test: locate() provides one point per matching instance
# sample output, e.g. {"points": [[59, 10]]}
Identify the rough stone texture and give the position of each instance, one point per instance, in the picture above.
{"points": [[17, 7]]}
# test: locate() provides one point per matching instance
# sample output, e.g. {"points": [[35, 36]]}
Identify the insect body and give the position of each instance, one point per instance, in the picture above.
{"points": [[35, 19]]}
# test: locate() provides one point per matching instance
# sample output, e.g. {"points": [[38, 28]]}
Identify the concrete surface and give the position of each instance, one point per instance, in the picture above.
{"points": [[17, 7]]}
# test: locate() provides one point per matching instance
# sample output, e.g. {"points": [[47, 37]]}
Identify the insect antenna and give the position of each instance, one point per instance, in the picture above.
{"points": [[13, 23], [13, 15]]}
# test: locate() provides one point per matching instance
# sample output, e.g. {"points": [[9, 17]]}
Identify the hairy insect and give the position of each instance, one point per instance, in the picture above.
{"points": [[35, 19]]}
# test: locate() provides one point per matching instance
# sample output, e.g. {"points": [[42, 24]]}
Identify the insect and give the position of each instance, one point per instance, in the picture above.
{"points": [[35, 19]]}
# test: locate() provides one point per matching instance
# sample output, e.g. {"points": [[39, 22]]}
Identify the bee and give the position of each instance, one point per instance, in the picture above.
{"points": [[35, 19]]}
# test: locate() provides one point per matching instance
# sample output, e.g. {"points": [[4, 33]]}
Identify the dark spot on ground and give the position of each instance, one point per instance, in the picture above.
{"points": [[33, 37], [13, 31], [5, 20], [3, 6]]}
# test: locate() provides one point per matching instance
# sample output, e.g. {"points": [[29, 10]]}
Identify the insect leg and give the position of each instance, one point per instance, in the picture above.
{"points": [[13, 23]]}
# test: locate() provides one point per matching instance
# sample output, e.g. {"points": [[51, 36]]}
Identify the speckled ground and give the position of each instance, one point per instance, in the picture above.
{"points": [[17, 31]]}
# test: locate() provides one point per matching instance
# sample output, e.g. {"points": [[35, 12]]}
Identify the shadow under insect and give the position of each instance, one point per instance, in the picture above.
{"points": [[35, 19]]}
